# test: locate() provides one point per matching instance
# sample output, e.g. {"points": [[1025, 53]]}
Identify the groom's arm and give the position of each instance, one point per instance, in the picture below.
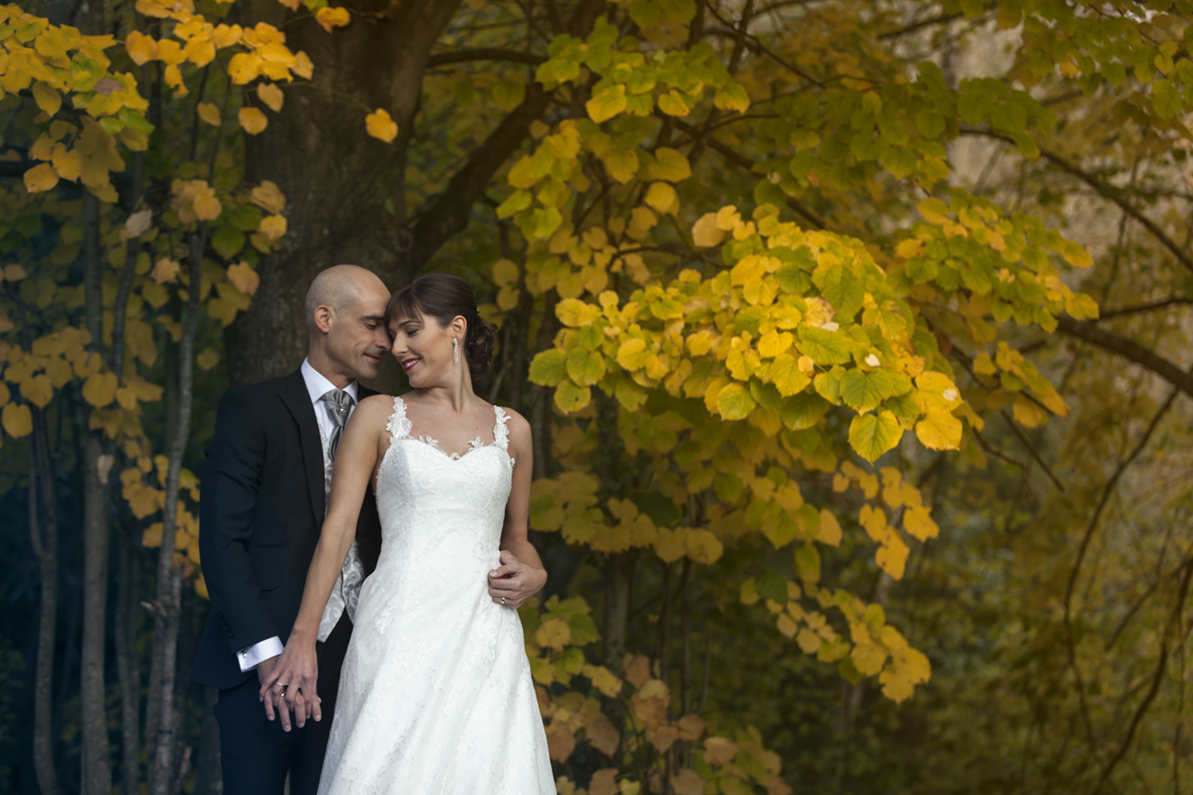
{"points": [[231, 479]]}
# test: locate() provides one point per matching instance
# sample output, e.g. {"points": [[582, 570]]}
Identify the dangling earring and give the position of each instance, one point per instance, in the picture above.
{"points": [[456, 350]]}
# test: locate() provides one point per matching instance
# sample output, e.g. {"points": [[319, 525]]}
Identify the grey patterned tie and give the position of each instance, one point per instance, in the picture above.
{"points": [[340, 403]]}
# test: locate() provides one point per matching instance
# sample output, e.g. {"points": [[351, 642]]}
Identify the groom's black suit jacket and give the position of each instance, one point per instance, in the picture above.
{"points": [[260, 515]]}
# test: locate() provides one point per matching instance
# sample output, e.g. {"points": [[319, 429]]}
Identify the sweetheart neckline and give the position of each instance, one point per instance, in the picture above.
{"points": [[444, 453]]}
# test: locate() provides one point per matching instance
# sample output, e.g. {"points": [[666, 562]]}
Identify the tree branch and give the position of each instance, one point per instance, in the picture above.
{"points": [[1103, 188], [1129, 349], [450, 212], [923, 23], [1106, 314], [484, 54]]}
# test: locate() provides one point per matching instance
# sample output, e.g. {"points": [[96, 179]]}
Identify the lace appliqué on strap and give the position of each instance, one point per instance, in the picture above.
{"points": [[501, 434], [398, 425]]}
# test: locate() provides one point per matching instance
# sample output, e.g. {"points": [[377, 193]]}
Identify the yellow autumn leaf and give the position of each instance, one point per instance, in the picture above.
{"points": [[329, 17], [67, 162], [633, 354], [41, 177], [271, 95], [208, 358], [141, 48], [38, 390], [939, 430], [244, 278], [830, 529], [209, 113], [100, 389], [47, 98], [702, 546], [662, 197], [268, 197], [244, 67], [505, 272], [252, 120], [17, 420], [381, 126], [164, 270], [1026, 412], [719, 750], [554, 633], [273, 227], [706, 233]]}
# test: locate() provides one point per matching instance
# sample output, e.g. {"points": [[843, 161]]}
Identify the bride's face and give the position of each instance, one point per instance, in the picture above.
{"points": [[423, 349]]}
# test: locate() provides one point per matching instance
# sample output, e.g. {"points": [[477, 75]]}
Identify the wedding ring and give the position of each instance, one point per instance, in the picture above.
{"points": [[282, 685], [503, 600]]}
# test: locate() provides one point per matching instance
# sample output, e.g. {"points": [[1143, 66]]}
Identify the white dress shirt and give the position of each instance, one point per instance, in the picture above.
{"points": [[317, 386]]}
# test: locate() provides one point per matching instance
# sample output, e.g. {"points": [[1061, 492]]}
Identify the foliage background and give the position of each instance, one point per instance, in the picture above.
{"points": [[961, 187]]}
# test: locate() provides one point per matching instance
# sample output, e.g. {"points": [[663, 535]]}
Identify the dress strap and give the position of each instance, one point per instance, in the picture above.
{"points": [[501, 434], [398, 425]]}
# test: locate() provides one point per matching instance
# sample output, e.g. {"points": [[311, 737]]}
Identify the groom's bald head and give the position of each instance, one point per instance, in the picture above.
{"points": [[345, 309], [340, 287]]}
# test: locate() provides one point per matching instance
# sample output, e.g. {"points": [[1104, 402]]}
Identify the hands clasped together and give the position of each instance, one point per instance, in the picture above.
{"points": [[288, 682]]}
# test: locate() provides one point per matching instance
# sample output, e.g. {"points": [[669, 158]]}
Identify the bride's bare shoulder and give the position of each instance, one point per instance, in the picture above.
{"points": [[518, 427], [375, 409]]}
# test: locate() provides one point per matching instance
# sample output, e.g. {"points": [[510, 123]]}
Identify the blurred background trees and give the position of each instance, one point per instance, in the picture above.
{"points": [[854, 337]]}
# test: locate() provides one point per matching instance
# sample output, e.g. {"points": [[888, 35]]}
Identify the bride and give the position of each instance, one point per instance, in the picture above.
{"points": [[435, 694]]}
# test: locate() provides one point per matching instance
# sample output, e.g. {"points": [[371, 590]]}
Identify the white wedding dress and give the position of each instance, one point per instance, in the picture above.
{"points": [[435, 695]]}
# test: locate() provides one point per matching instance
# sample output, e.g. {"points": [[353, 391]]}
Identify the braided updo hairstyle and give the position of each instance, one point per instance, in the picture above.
{"points": [[444, 296]]}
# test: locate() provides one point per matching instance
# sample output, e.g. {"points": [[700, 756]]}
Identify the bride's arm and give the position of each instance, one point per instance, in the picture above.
{"points": [[355, 461], [521, 574]]}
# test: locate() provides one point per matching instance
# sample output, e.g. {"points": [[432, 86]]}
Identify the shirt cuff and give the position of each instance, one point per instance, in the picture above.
{"points": [[258, 653]]}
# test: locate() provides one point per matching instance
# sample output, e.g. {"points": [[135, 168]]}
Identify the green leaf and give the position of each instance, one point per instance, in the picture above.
{"points": [[622, 164], [863, 391], [569, 397], [824, 346], [846, 295], [786, 376], [900, 162], [606, 104], [807, 563], [735, 402], [518, 201], [872, 435], [549, 367], [585, 367], [670, 165], [772, 585], [804, 410]]}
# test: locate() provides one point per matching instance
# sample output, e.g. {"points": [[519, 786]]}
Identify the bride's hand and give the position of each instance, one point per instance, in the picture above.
{"points": [[290, 687], [512, 583]]}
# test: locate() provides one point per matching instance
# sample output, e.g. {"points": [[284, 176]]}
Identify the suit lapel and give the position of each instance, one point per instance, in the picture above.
{"points": [[298, 402]]}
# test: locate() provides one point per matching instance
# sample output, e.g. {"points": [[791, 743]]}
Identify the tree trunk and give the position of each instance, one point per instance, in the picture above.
{"points": [[619, 569], [45, 546], [128, 614], [96, 774], [337, 180], [169, 578]]}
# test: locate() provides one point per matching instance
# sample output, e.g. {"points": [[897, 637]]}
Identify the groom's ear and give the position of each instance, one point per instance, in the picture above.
{"points": [[322, 317]]}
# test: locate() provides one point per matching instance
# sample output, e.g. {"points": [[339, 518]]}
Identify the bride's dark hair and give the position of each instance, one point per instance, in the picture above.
{"points": [[443, 296]]}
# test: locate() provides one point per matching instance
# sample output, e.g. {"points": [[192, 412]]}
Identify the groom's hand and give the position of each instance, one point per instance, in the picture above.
{"points": [[513, 582], [297, 669], [271, 695]]}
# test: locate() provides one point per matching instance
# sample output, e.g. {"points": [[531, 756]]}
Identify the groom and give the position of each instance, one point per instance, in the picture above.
{"points": [[261, 512]]}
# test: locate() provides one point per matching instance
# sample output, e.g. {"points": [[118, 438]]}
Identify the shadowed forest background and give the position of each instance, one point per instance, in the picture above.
{"points": [[854, 336]]}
